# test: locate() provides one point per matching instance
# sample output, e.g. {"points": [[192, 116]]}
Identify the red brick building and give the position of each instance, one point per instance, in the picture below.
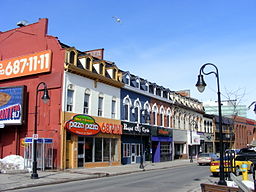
{"points": [[244, 132], [29, 56]]}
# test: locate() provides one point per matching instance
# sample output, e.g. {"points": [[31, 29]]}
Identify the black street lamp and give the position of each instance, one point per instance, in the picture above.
{"points": [[254, 102], [45, 99], [201, 86], [193, 122], [146, 115]]}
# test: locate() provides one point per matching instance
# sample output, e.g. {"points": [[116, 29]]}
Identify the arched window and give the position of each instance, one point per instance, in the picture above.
{"points": [[162, 116], [168, 118], [146, 113], [137, 109], [155, 111], [126, 107]]}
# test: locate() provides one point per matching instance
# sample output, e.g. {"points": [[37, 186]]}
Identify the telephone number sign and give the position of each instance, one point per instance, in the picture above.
{"points": [[26, 65]]}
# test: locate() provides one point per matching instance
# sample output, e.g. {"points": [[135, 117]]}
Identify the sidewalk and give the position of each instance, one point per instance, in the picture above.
{"points": [[18, 180]]}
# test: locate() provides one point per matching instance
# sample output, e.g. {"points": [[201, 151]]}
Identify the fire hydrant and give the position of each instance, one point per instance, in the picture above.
{"points": [[244, 171]]}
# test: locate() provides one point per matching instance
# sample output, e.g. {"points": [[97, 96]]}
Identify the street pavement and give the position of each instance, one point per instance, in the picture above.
{"points": [[18, 179]]}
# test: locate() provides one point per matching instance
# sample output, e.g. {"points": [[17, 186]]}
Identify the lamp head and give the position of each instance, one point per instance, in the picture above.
{"points": [[254, 108], [200, 83], [45, 96]]}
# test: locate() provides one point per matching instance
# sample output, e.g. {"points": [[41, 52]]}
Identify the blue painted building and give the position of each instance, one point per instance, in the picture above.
{"points": [[135, 116]]}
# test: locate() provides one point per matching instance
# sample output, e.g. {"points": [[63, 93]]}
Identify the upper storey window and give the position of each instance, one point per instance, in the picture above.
{"points": [[70, 100], [127, 107], [72, 57], [86, 102], [100, 105], [155, 110], [88, 64], [137, 83], [101, 68], [127, 79], [114, 73]]}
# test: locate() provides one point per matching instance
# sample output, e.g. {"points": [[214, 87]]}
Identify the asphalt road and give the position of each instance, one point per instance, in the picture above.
{"points": [[176, 179]]}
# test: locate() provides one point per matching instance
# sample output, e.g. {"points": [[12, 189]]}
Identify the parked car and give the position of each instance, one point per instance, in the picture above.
{"points": [[237, 161], [206, 158]]}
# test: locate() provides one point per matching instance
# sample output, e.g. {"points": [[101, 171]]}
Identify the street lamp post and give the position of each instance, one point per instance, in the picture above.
{"points": [[191, 147], [201, 86], [45, 98], [254, 102], [191, 140], [146, 115]]}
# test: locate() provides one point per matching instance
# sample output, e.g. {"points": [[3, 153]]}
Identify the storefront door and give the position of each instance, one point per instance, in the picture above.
{"points": [[133, 153]]}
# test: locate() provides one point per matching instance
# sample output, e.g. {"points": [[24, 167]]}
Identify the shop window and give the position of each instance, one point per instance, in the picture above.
{"points": [[86, 103], [106, 148], [98, 149], [70, 100], [126, 150], [114, 150], [88, 149], [100, 106], [113, 109]]}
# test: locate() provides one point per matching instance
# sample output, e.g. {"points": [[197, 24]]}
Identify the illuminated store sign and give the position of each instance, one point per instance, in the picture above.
{"points": [[11, 105], [135, 129], [82, 125], [26, 65]]}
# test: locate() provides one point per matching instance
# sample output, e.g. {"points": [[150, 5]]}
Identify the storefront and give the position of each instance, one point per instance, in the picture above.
{"points": [[161, 139], [206, 142], [135, 137], [193, 143], [180, 141], [92, 141]]}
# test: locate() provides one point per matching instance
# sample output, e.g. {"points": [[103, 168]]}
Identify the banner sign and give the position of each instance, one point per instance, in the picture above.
{"points": [[135, 129], [11, 105], [26, 65], [87, 126]]}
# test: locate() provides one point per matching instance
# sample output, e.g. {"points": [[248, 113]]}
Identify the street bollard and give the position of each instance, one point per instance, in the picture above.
{"points": [[244, 172]]}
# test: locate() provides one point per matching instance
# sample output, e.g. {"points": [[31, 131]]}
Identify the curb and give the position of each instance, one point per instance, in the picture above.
{"points": [[89, 176]]}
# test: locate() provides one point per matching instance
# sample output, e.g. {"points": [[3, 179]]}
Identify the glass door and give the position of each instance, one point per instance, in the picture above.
{"points": [[133, 153]]}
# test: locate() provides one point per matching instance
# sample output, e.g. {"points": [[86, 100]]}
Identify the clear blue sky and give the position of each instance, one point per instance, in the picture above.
{"points": [[164, 41]]}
